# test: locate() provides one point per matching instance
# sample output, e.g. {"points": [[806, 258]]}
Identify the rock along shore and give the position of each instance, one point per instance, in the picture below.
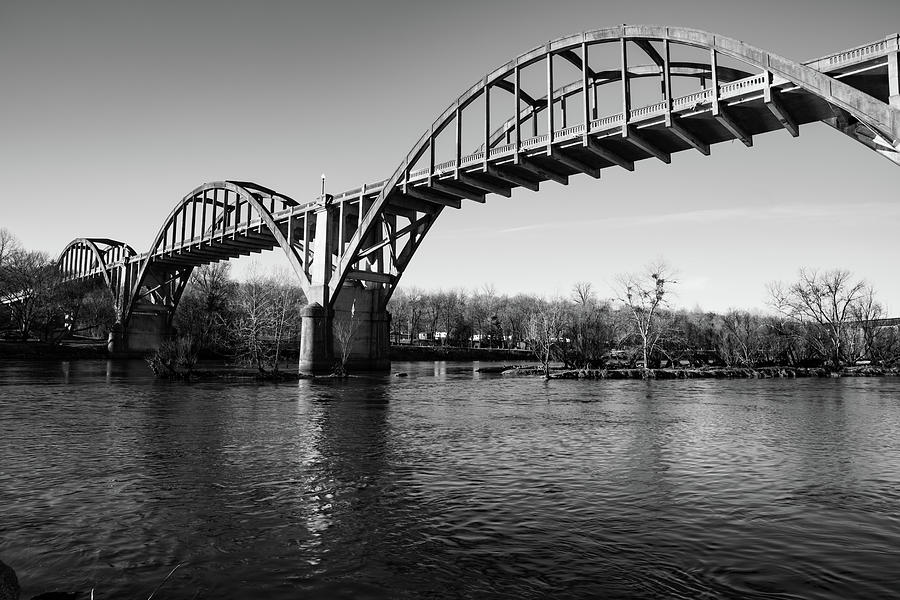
{"points": [[695, 373], [725, 373]]}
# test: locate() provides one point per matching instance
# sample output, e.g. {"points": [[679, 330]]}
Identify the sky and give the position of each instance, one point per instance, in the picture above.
{"points": [[113, 110]]}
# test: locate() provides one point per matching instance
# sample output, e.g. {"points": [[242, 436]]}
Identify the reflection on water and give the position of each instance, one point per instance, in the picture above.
{"points": [[448, 484]]}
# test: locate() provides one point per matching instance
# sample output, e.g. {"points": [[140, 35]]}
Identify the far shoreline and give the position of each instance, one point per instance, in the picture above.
{"points": [[515, 363]]}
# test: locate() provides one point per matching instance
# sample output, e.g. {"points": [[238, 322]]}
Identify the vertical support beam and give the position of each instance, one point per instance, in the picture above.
{"points": [[290, 228], [714, 72], [431, 155], [307, 248], [203, 219], [518, 94], [487, 123], [225, 215], [215, 209], [237, 216], [626, 88], [549, 102], [667, 81], [595, 113], [320, 274], [585, 97], [894, 79], [340, 236], [390, 222], [378, 236], [359, 216], [458, 148], [183, 224], [406, 174], [193, 218]]}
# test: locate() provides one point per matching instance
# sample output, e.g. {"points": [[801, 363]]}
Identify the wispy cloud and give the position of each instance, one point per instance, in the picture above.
{"points": [[784, 212]]}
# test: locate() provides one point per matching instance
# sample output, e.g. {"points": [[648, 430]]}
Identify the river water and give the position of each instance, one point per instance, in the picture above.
{"points": [[448, 484]]}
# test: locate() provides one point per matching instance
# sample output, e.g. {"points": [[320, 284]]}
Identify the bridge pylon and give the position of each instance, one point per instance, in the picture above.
{"points": [[348, 323]]}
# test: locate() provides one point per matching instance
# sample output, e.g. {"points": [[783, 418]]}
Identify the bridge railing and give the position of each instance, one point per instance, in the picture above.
{"points": [[729, 90]]}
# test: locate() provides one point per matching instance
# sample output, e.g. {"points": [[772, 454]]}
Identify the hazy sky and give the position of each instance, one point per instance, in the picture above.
{"points": [[112, 111]]}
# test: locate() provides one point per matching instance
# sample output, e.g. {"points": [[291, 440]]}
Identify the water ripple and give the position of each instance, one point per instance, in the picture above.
{"points": [[448, 484]]}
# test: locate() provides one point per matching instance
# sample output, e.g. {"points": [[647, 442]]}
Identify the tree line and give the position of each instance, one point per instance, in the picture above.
{"points": [[823, 317], [36, 301]]}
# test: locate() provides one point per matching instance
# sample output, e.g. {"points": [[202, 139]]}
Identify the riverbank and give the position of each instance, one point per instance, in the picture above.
{"points": [[420, 353], [68, 349], [700, 373], [90, 348]]}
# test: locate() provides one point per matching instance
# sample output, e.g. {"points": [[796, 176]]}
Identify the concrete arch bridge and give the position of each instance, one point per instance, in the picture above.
{"points": [[575, 105]]}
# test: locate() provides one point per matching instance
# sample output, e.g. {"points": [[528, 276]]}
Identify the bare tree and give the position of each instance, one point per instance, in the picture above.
{"points": [[741, 338], [866, 312], [345, 331], [268, 310], [827, 301], [287, 301], [583, 293], [406, 307], [9, 245], [644, 294], [254, 307], [206, 310], [545, 329], [28, 283]]}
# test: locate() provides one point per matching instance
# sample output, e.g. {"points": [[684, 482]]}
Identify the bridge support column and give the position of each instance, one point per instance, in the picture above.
{"points": [[147, 330], [345, 326], [894, 79], [356, 331], [115, 343], [315, 355], [361, 329]]}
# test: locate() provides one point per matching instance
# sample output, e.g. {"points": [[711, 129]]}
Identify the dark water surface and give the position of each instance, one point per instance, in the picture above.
{"points": [[447, 484]]}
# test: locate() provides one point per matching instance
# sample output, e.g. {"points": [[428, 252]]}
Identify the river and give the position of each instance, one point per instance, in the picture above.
{"points": [[448, 484]]}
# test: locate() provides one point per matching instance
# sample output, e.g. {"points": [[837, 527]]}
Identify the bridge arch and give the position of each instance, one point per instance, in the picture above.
{"points": [[215, 221], [85, 258], [788, 93]]}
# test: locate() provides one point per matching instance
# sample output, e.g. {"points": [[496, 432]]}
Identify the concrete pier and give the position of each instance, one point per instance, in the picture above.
{"points": [[355, 326], [315, 355], [146, 332]]}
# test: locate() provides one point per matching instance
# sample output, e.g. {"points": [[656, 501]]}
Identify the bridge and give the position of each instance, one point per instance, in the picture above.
{"points": [[351, 249]]}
